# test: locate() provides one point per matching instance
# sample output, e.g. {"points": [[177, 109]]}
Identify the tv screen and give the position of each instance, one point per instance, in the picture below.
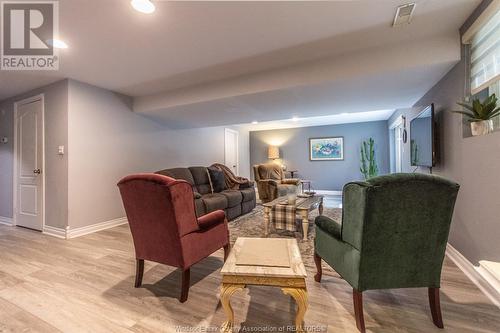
{"points": [[422, 138]]}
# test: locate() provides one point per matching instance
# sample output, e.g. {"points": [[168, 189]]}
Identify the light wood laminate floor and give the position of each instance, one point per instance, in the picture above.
{"points": [[86, 285]]}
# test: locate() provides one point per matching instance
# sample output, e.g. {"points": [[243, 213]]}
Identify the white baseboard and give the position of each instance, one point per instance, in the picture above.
{"points": [[6, 220], [478, 275], [77, 232], [326, 192], [54, 231]]}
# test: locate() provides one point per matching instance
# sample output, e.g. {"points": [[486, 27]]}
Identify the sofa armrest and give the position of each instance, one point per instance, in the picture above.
{"points": [[209, 220], [290, 181], [273, 182], [249, 184], [329, 226]]}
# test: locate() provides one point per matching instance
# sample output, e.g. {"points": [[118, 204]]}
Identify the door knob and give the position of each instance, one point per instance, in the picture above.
{"points": [[37, 171]]}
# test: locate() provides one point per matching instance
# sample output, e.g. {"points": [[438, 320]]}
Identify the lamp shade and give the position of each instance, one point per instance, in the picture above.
{"points": [[273, 152]]}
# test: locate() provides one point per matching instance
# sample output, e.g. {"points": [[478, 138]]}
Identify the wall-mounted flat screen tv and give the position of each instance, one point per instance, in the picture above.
{"points": [[422, 138]]}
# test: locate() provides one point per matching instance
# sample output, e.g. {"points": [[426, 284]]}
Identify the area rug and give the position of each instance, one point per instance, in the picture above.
{"points": [[252, 225]]}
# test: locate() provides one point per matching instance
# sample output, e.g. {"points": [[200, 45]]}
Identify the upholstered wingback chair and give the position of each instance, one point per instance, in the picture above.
{"points": [[393, 235], [162, 218], [271, 182]]}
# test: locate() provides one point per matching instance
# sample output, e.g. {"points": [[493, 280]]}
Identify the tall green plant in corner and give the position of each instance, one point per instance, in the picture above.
{"points": [[368, 167]]}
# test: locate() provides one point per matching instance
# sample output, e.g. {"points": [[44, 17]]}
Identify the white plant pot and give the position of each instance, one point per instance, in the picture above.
{"points": [[481, 127]]}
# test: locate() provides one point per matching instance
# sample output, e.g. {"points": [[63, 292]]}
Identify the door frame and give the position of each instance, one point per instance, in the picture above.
{"points": [[32, 99], [392, 127], [228, 130]]}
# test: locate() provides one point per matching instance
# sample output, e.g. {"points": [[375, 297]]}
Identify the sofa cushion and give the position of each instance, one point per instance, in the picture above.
{"points": [[201, 181], [270, 171], [233, 212], [247, 206], [214, 201], [200, 207], [248, 194], [234, 197], [217, 179], [178, 173]]}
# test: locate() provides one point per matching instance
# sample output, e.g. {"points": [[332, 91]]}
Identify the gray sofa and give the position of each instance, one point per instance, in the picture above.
{"points": [[233, 202]]}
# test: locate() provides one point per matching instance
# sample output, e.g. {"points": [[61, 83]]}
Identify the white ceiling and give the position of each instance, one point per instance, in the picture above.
{"points": [[185, 44], [343, 118]]}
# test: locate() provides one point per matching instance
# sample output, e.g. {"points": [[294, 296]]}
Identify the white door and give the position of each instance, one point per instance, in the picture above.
{"points": [[231, 150], [29, 163]]}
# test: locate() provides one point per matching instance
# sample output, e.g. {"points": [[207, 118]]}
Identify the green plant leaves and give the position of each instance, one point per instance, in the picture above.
{"points": [[480, 111]]}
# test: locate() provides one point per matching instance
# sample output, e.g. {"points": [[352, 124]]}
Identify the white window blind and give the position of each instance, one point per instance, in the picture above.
{"points": [[485, 55]]}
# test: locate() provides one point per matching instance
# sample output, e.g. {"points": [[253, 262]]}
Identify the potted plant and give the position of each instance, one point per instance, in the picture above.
{"points": [[480, 115], [368, 167]]}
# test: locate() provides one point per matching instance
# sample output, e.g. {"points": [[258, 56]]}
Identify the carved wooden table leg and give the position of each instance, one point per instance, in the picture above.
{"points": [[227, 291], [300, 296], [305, 223], [267, 219]]}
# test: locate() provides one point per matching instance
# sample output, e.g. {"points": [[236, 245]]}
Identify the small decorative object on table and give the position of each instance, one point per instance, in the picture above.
{"points": [[291, 198], [309, 192], [480, 115]]}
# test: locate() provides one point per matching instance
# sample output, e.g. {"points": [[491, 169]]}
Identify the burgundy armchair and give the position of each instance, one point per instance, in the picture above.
{"points": [[164, 227]]}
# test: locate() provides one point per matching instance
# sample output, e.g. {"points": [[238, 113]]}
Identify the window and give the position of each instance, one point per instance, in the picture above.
{"points": [[485, 55], [483, 40]]}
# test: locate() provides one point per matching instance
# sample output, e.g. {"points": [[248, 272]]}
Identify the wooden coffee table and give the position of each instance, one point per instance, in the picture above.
{"points": [[291, 280], [303, 207]]}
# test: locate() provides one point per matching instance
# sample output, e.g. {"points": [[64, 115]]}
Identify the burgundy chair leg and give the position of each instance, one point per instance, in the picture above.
{"points": [[435, 304], [185, 285], [227, 249], [139, 272], [319, 271], [357, 298]]}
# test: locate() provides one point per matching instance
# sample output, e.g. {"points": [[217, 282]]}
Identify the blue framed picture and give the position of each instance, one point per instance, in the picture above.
{"points": [[326, 149]]}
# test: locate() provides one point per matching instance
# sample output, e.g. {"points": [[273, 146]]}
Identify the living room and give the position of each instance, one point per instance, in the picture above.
{"points": [[249, 166]]}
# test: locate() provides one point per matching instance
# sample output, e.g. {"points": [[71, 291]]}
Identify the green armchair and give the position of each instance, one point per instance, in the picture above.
{"points": [[393, 235]]}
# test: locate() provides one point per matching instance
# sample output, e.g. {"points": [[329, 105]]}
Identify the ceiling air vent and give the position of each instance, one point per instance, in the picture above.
{"points": [[404, 14]]}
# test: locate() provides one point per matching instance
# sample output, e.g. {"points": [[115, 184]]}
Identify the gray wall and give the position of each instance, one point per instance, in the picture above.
{"points": [[56, 171], [474, 162], [108, 141], [104, 141], [325, 175]]}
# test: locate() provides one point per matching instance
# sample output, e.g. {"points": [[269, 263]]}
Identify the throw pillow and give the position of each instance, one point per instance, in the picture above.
{"points": [[217, 179]]}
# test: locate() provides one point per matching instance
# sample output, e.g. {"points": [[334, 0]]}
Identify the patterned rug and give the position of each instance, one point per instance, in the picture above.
{"points": [[252, 225]]}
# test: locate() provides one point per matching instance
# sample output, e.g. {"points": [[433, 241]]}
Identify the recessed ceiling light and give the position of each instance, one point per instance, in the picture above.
{"points": [[255, 122], [57, 43], [143, 6], [295, 119]]}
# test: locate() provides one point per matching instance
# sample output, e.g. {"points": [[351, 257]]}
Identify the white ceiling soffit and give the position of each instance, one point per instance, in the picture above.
{"points": [[376, 79], [343, 118]]}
